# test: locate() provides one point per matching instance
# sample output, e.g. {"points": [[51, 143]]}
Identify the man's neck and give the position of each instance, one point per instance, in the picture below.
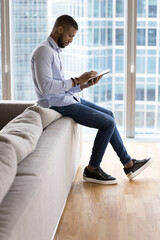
{"points": [[54, 38]]}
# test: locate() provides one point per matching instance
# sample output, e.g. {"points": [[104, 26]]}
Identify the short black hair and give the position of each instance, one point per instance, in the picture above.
{"points": [[66, 20]]}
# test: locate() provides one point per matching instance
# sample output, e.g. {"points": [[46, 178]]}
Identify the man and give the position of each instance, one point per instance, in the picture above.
{"points": [[55, 92]]}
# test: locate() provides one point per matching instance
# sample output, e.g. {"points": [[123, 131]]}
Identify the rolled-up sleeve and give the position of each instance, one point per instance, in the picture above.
{"points": [[42, 64]]}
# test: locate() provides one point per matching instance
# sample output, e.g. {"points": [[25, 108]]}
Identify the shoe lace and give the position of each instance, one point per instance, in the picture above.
{"points": [[101, 172]]}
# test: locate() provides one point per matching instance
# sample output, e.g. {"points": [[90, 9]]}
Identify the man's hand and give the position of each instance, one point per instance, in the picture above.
{"points": [[90, 83], [86, 76]]}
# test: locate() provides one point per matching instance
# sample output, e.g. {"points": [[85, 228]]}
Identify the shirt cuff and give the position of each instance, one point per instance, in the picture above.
{"points": [[68, 84], [77, 88]]}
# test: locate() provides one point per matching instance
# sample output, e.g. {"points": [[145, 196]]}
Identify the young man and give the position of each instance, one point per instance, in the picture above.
{"points": [[55, 92]]}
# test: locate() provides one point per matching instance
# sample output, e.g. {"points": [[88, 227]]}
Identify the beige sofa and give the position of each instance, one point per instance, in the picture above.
{"points": [[39, 157]]}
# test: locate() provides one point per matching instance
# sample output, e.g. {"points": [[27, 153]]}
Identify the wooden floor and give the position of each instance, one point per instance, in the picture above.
{"points": [[129, 210]]}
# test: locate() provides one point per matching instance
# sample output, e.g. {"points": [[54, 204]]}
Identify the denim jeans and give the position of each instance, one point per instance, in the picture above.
{"points": [[91, 115]]}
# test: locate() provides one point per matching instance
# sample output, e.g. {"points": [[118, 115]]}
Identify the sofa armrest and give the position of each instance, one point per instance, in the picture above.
{"points": [[10, 109]]}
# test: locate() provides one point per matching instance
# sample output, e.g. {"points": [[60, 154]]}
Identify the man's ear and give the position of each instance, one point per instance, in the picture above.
{"points": [[60, 29]]}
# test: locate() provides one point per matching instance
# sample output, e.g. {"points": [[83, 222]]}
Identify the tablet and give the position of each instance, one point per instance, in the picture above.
{"points": [[101, 74]]}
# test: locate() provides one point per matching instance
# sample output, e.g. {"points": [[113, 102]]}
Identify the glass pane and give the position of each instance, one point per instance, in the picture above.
{"points": [[152, 37], [0, 58], [96, 8], [120, 8], [151, 92], [29, 28], [139, 119], [152, 8], [150, 120], [151, 65], [119, 36], [99, 46], [141, 37], [141, 8], [119, 92], [148, 68], [140, 92]]}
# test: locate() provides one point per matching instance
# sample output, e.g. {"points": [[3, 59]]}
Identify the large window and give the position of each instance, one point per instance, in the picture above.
{"points": [[99, 44], [147, 117]]}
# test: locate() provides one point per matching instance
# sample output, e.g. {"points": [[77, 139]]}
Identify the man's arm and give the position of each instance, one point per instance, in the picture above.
{"points": [[42, 74], [42, 70]]}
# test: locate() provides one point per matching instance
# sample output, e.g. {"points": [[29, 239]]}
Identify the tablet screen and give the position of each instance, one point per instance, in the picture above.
{"points": [[101, 73]]}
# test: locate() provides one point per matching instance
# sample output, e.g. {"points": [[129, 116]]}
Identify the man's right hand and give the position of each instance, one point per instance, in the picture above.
{"points": [[86, 76]]}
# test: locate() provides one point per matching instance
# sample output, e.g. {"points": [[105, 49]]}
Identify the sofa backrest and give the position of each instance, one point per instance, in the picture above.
{"points": [[11, 109]]}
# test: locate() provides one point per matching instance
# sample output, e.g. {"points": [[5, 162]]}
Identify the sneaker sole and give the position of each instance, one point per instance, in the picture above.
{"points": [[111, 182], [132, 175]]}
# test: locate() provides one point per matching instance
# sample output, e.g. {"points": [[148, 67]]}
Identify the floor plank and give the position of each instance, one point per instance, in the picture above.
{"points": [[129, 210]]}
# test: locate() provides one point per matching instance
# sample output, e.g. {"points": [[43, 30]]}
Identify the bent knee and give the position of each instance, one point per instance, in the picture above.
{"points": [[113, 124], [109, 124], [111, 114]]}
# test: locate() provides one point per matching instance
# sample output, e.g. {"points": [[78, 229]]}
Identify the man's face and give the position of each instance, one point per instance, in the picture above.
{"points": [[66, 37]]}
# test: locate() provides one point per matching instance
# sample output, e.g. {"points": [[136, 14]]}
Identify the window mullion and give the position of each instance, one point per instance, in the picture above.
{"points": [[131, 67], [5, 45]]}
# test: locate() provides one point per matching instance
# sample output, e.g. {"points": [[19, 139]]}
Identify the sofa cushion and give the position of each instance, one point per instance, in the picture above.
{"points": [[8, 166], [23, 133], [47, 115], [17, 140]]}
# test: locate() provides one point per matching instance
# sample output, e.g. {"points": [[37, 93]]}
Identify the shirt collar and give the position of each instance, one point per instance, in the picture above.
{"points": [[54, 44]]}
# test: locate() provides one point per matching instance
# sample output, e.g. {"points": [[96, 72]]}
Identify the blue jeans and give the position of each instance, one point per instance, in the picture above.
{"points": [[91, 115]]}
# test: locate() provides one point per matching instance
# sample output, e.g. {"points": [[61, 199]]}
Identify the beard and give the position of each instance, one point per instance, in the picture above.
{"points": [[60, 42]]}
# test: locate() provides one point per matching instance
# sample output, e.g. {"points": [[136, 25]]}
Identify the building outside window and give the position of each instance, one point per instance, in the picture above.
{"points": [[147, 118], [99, 44], [30, 26]]}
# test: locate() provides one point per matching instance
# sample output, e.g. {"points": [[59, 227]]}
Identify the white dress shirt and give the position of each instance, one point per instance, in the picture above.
{"points": [[52, 89]]}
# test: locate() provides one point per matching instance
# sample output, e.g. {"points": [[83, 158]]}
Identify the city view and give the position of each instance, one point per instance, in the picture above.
{"points": [[99, 44]]}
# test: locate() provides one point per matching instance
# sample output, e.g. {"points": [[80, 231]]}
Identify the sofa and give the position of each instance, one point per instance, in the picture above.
{"points": [[40, 153]]}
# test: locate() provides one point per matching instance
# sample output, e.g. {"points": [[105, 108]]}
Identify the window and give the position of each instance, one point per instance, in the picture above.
{"points": [[99, 44], [29, 28], [0, 58], [148, 68]]}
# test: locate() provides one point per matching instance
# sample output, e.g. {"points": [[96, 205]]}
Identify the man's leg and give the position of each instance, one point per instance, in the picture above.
{"points": [[105, 124], [115, 140], [91, 115], [132, 167]]}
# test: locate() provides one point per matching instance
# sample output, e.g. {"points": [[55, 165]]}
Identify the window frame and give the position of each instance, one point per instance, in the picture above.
{"points": [[131, 69], [6, 50]]}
